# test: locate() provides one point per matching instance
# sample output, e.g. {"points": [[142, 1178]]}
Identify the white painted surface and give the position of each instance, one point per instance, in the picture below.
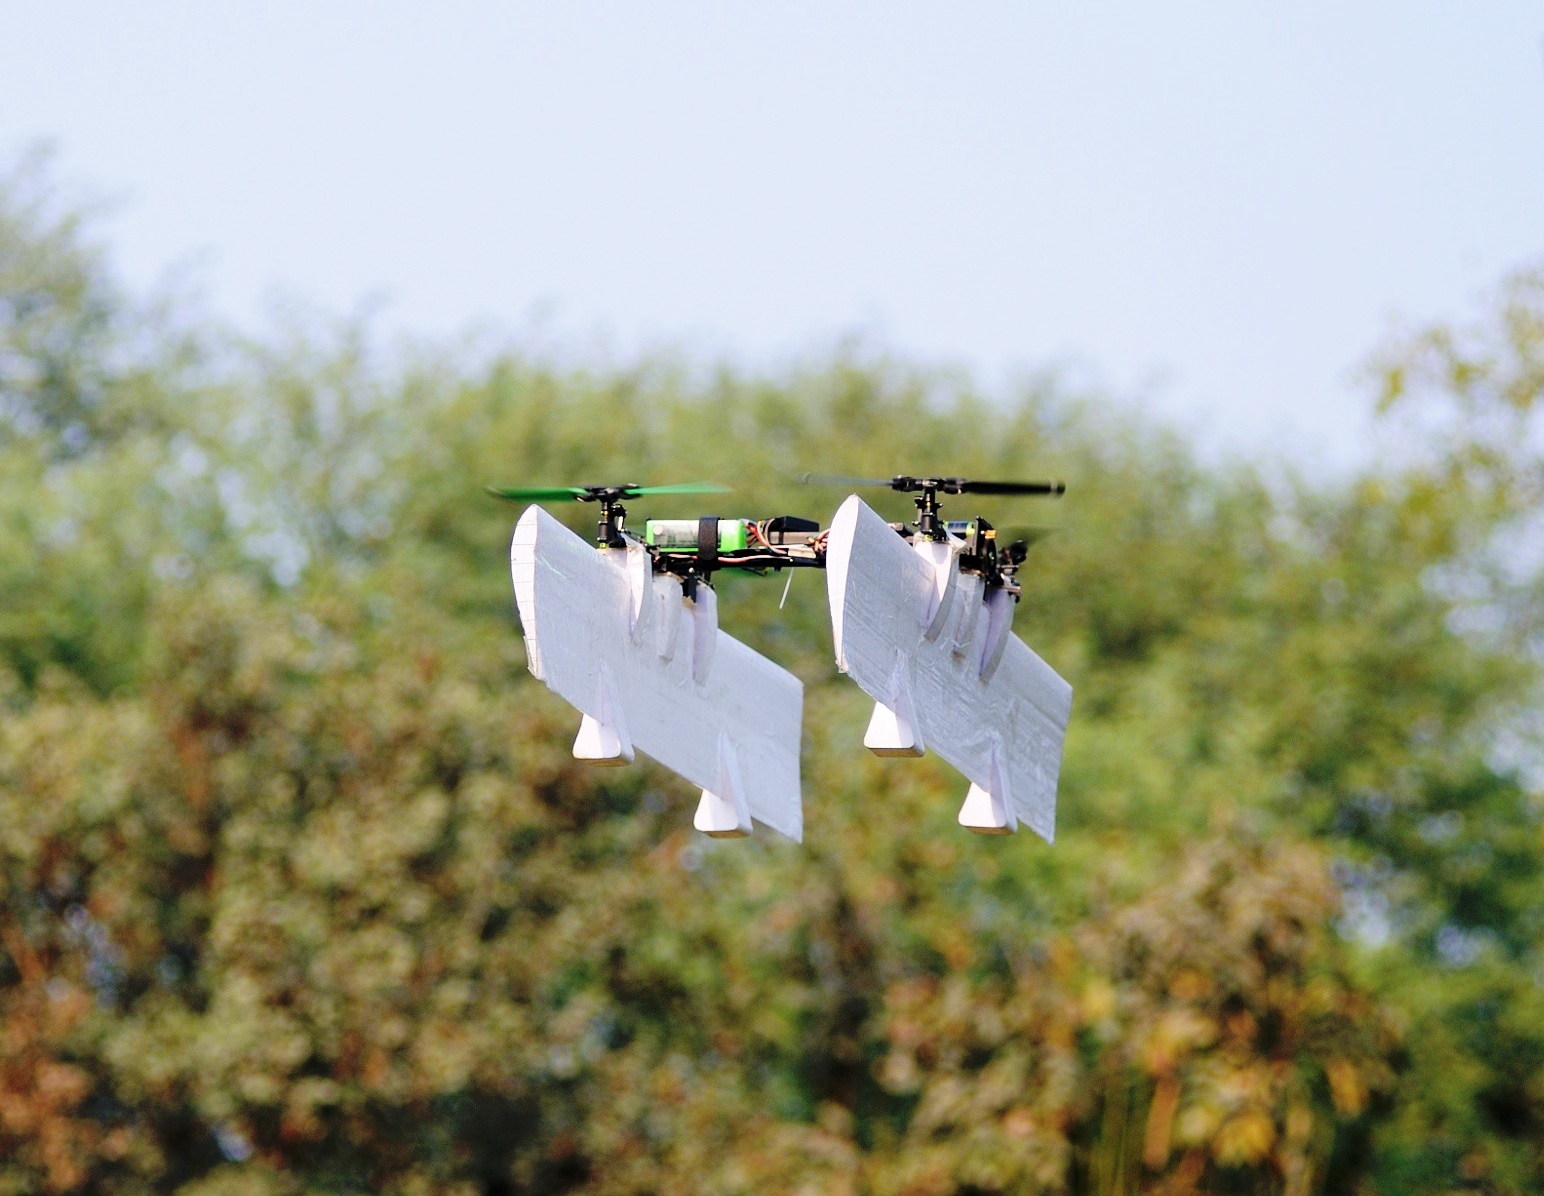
{"points": [[650, 670], [921, 639]]}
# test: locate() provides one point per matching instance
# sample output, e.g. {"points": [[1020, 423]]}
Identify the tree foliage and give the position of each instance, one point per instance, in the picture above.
{"points": [[304, 892]]}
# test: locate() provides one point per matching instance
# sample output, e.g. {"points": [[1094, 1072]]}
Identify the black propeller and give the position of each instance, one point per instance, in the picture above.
{"points": [[599, 493], [910, 485], [927, 489]]}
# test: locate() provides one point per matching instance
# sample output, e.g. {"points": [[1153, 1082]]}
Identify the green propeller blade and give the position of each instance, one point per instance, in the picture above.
{"points": [[681, 488], [534, 493]]}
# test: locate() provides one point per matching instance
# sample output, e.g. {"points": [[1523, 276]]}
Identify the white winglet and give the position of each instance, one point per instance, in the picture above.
{"points": [[985, 813], [607, 635], [603, 737], [909, 625], [990, 811], [723, 813], [892, 729]]}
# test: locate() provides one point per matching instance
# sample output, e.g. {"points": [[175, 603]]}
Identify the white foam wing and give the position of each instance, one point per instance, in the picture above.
{"points": [[941, 659], [650, 669]]}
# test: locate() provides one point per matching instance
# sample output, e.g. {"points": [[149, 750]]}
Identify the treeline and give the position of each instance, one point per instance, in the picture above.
{"points": [[304, 893]]}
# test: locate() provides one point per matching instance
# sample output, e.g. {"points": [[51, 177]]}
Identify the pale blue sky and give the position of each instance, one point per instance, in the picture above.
{"points": [[1217, 207]]}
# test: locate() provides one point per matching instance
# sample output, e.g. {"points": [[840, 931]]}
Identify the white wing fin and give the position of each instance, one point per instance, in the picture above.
{"points": [[892, 729], [603, 737], [978, 695], [723, 812], [989, 811], [607, 635]]}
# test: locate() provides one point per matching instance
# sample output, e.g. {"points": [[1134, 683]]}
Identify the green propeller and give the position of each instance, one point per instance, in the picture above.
{"points": [[598, 493]]}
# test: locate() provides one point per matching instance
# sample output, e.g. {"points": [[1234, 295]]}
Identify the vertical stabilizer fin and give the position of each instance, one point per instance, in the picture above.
{"points": [[999, 624], [893, 729], [724, 813], [603, 737], [704, 615], [990, 811]]}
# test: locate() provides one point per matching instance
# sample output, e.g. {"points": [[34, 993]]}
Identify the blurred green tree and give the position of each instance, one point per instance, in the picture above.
{"points": [[303, 890]]}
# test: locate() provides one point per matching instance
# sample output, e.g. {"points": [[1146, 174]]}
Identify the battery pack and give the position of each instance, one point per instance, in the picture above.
{"points": [[680, 535]]}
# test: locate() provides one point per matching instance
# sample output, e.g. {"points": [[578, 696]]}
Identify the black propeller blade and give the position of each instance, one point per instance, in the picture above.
{"points": [[1053, 489], [599, 493], [910, 485]]}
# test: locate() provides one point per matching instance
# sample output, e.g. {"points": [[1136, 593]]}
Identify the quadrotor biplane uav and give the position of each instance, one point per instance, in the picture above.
{"points": [[627, 631]]}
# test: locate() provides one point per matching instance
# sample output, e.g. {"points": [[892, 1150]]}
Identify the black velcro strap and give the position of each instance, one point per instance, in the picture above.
{"points": [[707, 540]]}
